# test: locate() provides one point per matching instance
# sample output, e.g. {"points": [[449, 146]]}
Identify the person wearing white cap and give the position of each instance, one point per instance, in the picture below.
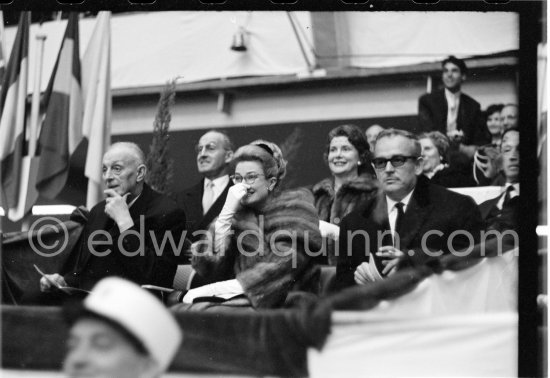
{"points": [[120, 330]]}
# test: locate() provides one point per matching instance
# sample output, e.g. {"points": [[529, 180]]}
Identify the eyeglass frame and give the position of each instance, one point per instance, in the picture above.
{"points": [[393, 162], [247, 181]]}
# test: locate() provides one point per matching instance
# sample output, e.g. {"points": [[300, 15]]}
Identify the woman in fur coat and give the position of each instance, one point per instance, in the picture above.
{"points": [[259, 247], [351, 184]]}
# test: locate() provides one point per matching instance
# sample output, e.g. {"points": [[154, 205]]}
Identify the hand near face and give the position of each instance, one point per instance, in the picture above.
{"points": [[117, 209], [235, 194]]}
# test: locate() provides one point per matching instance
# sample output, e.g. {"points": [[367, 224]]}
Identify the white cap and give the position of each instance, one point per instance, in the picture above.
{"points": [[140, 313]]}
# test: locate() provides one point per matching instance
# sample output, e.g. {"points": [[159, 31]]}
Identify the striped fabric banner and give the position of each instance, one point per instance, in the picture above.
{"points": [[96, 88], [62, 127], [13, 116]]}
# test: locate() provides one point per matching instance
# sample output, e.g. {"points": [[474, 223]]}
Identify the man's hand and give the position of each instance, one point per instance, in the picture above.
{"points": [[47, 282], [117, 209], [391, 256], [363, 274]]}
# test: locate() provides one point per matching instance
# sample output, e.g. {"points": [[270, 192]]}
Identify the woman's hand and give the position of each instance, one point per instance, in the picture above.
{"points": [[234, 196]]}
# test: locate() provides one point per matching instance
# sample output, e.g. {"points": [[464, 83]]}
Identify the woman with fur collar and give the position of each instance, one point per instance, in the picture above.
{"points": [[260, 246], [352, 181]]}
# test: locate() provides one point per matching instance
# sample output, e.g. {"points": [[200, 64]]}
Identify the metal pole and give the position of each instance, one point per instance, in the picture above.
{"points": [[310, 67], [35, 105]]}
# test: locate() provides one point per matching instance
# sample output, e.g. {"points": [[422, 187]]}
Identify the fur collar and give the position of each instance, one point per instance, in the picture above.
{"points": [[362, 183]]}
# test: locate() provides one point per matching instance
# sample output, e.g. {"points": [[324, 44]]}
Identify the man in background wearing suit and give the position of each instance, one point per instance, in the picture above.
{"points": [[452, 112], [410, 222], [505, 205], [203, 202]]}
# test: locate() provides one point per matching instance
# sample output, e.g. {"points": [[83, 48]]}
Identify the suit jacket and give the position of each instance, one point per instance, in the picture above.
{"points": [[432, 211], [500, 219], [432, 115], [190, 200], [133, 255]]}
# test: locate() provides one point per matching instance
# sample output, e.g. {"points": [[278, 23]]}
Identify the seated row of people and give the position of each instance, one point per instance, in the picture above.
{"points": [[263, 244]]}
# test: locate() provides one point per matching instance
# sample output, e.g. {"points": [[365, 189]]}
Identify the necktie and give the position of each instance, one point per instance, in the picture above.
{"points": [[508, 195], [208, 197], [398, 221]]}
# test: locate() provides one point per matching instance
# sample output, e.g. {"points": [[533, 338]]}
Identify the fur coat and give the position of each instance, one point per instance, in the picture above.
{"points": [[333, 207], [269, 252]]}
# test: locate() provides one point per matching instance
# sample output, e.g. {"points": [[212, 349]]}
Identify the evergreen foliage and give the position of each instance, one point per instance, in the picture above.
{"points": [[159, 164]]}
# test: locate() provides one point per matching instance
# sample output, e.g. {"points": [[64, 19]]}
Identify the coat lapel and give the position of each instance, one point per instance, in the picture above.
{"points": [[416, 214], [214, 210]]}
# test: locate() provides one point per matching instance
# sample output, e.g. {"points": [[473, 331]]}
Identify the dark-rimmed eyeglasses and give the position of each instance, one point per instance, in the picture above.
{"points": [[396, 161], [249, 178]]}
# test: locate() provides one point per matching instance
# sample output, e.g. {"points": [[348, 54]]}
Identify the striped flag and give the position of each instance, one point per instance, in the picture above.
{"points": [[96, 87], [13, 116], [62, 126]]}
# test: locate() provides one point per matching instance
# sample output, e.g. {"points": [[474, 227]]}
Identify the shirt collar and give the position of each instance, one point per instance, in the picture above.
{"points": [[405, 201], [515, 185], [220, 182], [452, 96]]}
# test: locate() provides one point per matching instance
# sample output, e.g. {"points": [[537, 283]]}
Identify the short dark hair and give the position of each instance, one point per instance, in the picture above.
{"points": [[492, 109], [391, 132], [457, 62], [357, 138]]}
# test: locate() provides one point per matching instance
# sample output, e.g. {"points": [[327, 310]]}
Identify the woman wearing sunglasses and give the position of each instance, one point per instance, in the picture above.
{"points": [[260, 246]]}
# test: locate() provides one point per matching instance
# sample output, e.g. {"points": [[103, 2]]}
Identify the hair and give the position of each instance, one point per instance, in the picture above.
{"points": [[510, 104], [457, 62], [227, 143], [440, 141], [492, 109], [74, 311], [357, 138], [509, 130], [134, 149], [268, 154], [391, 132]]}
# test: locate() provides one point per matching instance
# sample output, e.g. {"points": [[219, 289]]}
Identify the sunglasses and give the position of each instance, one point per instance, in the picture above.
{"points": [[396, 161]]}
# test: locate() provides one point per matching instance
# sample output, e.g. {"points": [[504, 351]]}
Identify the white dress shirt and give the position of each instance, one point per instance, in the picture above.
{"points": [[513, 193], [453, 102], [218, 185]]}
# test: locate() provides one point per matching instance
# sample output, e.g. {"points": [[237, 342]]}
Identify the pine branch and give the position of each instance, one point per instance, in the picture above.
{"points": [[159, 164]]}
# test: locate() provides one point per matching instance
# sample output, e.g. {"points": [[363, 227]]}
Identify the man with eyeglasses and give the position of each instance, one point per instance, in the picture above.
{"points": [[409, 223], [203, 202]]}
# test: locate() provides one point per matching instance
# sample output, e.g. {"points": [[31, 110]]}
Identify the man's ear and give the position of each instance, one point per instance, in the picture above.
{"points": [[228, 156], [141, 170]]}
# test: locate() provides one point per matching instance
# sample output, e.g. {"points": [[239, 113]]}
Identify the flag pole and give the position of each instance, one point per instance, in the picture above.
{"points": [[31, 159], [35, 105]]}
